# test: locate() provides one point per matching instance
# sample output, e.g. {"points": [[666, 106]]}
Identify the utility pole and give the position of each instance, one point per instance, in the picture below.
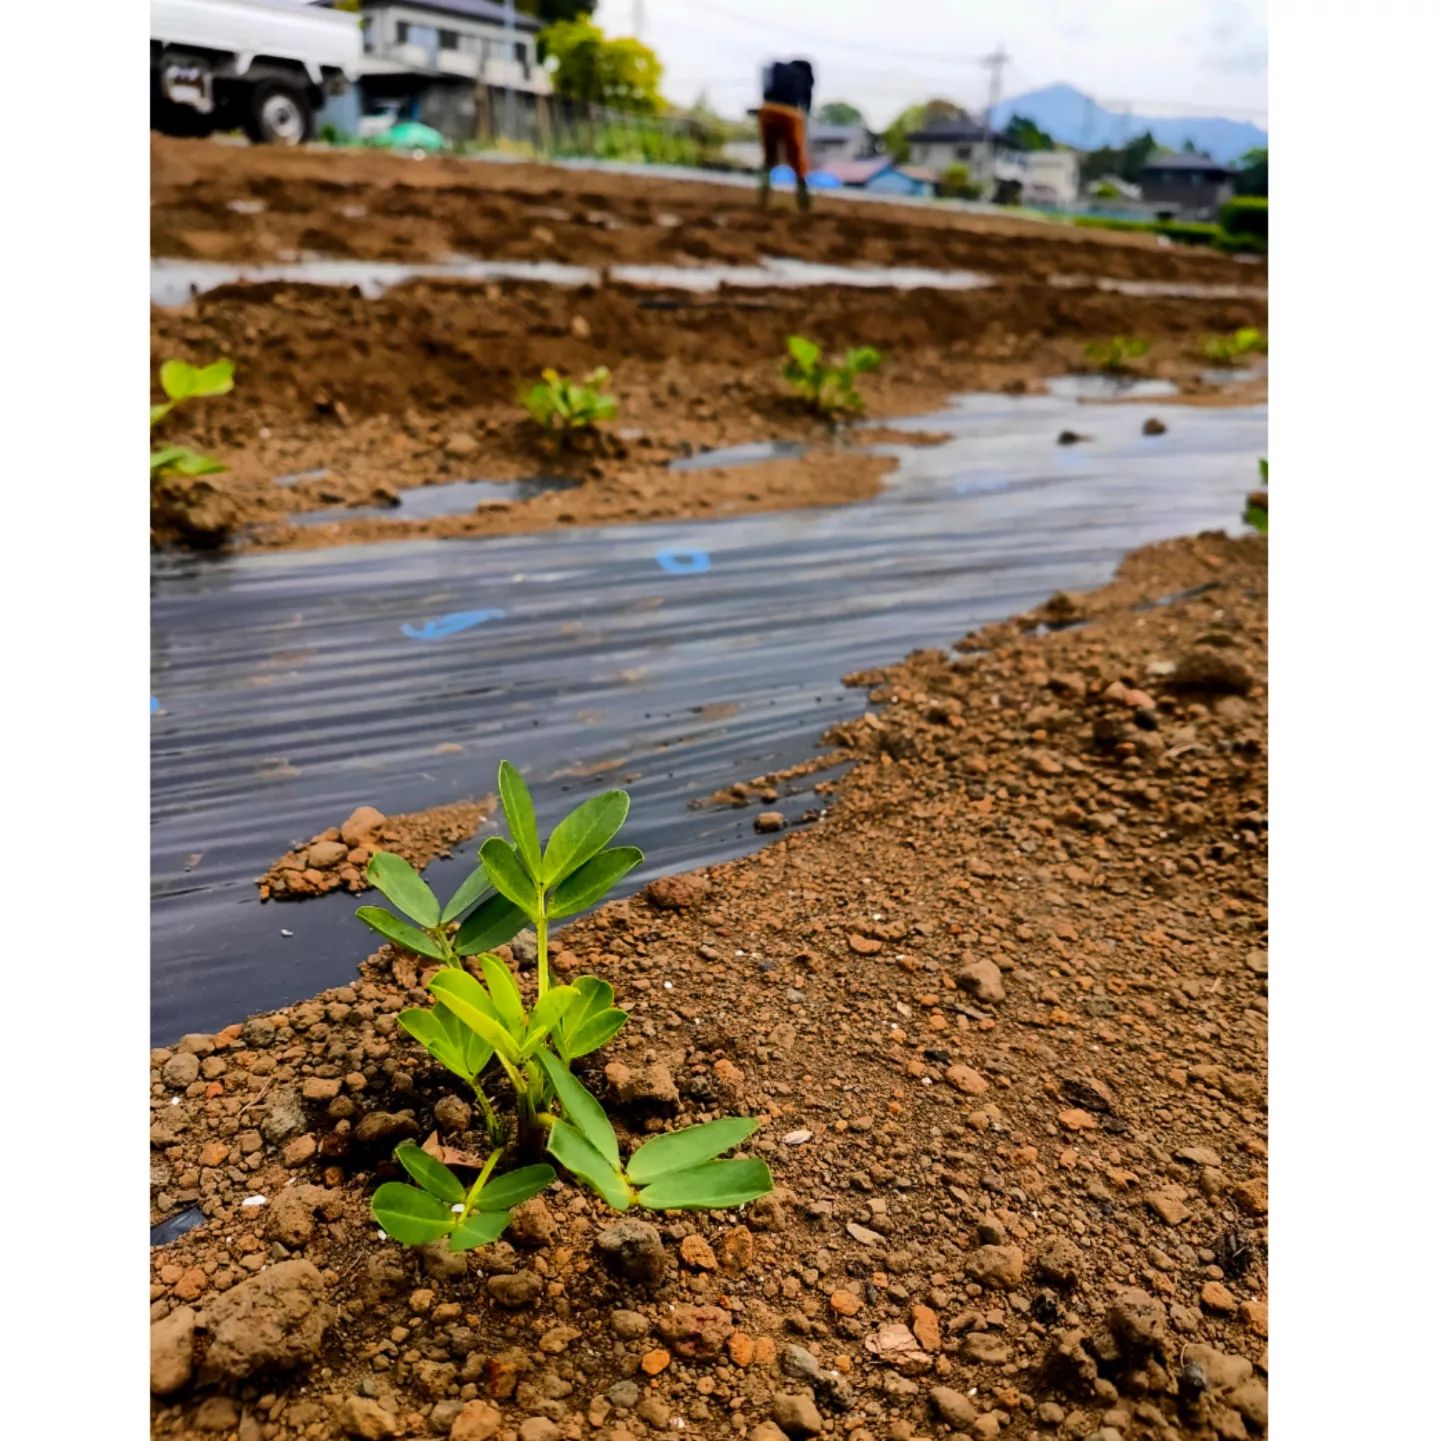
{"points": [[638, 19], [995, 63]]}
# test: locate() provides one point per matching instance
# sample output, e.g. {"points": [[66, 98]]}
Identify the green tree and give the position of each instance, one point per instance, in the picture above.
{"points": [[839, 112], [955, 181], [1028, 135], [1126, 161], [1254, 176], [586, 65], [917, 117]]}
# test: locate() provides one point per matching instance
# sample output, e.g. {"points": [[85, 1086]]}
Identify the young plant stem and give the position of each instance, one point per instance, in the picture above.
{"points": [[493, 1128], [473, 1194], [529, 1133], [542, 954]]}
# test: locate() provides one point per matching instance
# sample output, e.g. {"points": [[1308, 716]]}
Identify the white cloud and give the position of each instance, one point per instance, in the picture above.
{"points": [[1191, 55]]}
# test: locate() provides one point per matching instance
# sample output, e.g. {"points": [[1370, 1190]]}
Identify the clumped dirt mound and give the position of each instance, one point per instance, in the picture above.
{"points": [[217, 202], [420, 386], [1002, 1014], [338, 856]]}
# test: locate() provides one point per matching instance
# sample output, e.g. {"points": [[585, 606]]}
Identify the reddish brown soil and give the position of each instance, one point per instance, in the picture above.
{"points": [[420, 386], [374, 206], [338, 856], [1002, 1013]]}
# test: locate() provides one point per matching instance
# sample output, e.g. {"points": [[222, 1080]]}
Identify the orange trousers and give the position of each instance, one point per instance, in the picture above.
{"points": [[782, 137]]}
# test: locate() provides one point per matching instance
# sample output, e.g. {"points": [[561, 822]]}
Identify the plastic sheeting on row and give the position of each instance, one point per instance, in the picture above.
{"points": [[673, 659]]}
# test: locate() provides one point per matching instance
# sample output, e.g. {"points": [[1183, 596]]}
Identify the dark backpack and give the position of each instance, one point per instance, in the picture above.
{"points": [[789, 82]]}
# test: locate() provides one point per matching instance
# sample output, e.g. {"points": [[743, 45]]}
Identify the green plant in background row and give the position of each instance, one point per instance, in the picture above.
{"points": [[827, 387], [441, 1206], [182, 381], [1116, 353], [1227, 349], [567, 405], [1257, 503], [479, 1020]]}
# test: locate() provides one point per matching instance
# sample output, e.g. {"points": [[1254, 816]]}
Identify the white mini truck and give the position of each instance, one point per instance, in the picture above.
{"points": [[261, 66]]}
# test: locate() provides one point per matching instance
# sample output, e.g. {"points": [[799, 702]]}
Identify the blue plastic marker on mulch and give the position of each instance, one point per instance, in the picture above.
{"points": [[154, 705], [683, 562], [450, 624]]}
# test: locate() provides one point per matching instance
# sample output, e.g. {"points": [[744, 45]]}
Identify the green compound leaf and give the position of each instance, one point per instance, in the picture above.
{"points": [[398, 881], [434, 1177], [429, 1029], [711, 1187], [492, 923], [596, 1032], [217, 378], [479, 1229], [548, 1011], [806, 352], [685, 1149], [508, 876], [460, 992], [581, 1159], [505, 994], [399, 932], [467, 894], [589, 882], [511, 1189], [520, 815], [586, 830], [409, 1215], [178, 379], [582, 1110]]}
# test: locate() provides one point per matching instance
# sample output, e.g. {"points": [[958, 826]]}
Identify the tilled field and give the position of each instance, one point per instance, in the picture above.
{"points": [[420, 385], [1002, 1016], [212, 201]]}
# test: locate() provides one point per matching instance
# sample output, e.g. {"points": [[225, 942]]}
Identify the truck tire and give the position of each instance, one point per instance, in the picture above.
{"points": [[277, 112]]}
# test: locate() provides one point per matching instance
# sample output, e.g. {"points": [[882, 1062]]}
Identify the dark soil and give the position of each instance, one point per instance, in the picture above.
{"points": [[420, 385], [1002, 1013]]}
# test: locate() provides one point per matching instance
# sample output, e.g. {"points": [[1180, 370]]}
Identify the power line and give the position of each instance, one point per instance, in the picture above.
{"points": [[987, 61], [809, 35]]}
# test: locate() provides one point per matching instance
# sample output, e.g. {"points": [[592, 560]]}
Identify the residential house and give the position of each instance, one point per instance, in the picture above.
{"points": [[451, 64], [994, 160], [882, 176], [1052, 177], [828, 143], [1186, 187]]}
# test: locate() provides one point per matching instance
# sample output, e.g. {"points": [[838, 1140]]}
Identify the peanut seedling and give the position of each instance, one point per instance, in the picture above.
{"points": [[569, 405], [828, 388], [441, 1206], [1115, 354], [182, 381]]}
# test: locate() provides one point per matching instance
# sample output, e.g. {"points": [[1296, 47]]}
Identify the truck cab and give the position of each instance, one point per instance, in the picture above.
{"points": [[261, 66]]}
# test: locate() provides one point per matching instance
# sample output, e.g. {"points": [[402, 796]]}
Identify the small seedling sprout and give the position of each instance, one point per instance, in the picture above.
{"points": [[182, 382], [828, 387], [482, 1018]]}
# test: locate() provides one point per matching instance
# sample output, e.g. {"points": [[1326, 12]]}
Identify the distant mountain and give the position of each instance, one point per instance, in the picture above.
{"points": [[1073, 118]]}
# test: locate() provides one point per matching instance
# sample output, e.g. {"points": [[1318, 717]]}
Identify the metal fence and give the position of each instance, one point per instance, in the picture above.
{"points": [[556, 128]]}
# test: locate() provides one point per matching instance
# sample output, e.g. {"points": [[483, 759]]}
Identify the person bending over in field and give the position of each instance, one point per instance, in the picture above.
{"points": [[786, 88]]}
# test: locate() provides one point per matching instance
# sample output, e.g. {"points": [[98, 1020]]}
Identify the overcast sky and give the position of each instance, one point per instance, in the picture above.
{"points": [[1165, 56]]}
